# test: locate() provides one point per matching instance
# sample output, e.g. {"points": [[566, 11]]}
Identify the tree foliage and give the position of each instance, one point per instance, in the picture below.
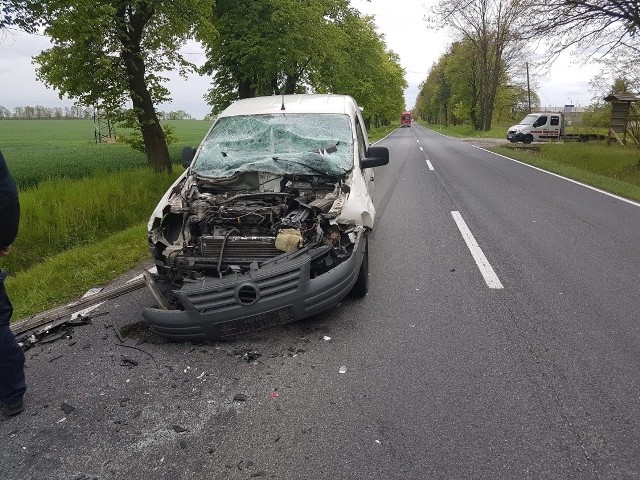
{"points": [[362, 66], [15, 13], [490, 29], [112, 53], [591, 26], [268, 47], [452, 92]]}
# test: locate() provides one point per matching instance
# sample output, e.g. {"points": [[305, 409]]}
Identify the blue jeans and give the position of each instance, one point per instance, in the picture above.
{"points": [[12, 383]]}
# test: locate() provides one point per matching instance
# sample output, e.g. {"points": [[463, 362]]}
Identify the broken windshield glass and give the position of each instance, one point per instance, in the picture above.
{"points": [[312, 142]]}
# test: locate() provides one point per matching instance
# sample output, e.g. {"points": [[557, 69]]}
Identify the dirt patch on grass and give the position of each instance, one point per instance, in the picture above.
{"points": [[486, 142]]}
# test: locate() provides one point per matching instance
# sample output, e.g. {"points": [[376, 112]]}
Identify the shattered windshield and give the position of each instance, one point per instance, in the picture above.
{"points": [[279, 144]]}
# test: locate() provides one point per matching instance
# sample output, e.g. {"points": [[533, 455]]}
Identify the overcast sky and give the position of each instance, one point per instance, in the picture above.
{"points": [[400, 21]]}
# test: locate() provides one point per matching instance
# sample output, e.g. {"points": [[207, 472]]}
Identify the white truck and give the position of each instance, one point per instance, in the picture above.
{"points": [[537, 127]]}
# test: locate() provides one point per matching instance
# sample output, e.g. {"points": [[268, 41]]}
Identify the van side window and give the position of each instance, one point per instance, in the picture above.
{"points": [[540, 122], [555, 121]]}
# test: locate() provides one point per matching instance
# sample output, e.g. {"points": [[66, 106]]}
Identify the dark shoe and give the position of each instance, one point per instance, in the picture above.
{"points": [[14, 409]]}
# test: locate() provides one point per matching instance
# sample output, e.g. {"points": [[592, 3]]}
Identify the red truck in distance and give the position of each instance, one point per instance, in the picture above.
{"points": [[405, 119]]}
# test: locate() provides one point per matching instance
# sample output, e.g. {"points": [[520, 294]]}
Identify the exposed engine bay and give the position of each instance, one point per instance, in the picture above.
{"points": [[209, 229]]}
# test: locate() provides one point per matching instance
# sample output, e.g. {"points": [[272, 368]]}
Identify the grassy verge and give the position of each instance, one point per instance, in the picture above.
{"points": [[376, 134], [466, 131], [68, 275], [62, 214], [612, 169]]}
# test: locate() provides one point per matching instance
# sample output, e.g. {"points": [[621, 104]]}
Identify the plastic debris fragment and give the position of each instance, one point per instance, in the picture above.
{"points": [[251, 355], [343, 369], [326, 338]]}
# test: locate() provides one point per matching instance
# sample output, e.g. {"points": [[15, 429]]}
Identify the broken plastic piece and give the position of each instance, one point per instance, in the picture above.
{"points": [[326, 338], [251, 355], [240, 397], [343, 369]]}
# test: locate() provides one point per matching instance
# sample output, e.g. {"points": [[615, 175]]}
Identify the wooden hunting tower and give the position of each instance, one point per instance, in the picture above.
{"points": [[620, 105]]}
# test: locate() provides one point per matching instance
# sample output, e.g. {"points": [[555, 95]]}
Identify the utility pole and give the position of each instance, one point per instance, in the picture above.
{"points": [[528, 86]]}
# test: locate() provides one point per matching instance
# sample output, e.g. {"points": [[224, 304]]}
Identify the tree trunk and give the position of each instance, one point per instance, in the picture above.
{"points": [[245, 90], [155, 142]]}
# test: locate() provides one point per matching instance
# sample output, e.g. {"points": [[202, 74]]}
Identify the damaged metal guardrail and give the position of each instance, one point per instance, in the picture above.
{"points": [[66, 311]]}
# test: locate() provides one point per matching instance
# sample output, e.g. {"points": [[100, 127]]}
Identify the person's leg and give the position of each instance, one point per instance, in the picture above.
{"points": [[12, 382]]}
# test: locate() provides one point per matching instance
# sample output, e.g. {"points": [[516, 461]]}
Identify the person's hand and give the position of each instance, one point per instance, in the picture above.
{"points": [[5, 251]]}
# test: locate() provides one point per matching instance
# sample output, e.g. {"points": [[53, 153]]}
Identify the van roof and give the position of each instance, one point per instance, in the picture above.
{"points": [[306, 103]]}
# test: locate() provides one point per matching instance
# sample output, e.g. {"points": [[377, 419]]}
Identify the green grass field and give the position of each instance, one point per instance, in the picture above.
{"points": [[39, 150]]}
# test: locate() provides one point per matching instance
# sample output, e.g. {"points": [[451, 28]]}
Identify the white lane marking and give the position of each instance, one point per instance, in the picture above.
{"points": [[429, 165], [486, 270], [421, 149], [560, 176]]}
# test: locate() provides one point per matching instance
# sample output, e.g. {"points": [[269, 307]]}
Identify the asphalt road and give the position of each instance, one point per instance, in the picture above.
{"points": [[500, 339]]}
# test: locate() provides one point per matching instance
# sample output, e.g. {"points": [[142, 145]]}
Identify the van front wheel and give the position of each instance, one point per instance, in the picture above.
{"points": [[361, 287], [527, 139]]}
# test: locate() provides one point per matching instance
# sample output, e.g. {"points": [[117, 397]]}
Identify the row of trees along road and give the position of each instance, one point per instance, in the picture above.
{"points": [[39, 112], [482, 75], [113, 53]]}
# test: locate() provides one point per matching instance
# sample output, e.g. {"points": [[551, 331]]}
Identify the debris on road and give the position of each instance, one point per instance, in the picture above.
{"points": [[126, 362], [240, 397], [343, 369], [52, 332], [251, 356], [61, 313], [66, 408]]}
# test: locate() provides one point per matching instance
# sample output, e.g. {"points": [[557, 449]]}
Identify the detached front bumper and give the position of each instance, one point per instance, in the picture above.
{"points": [[241, 303]]}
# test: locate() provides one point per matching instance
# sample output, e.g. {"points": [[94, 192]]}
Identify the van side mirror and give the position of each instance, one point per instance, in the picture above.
{"points": [[187, 156], [376, 157]]}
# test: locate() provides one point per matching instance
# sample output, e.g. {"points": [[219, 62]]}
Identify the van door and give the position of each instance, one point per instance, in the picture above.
{"points": [[547, 127], [538, 127], [553, 129]]}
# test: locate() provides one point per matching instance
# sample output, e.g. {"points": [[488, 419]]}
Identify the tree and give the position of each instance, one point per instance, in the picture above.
{"points": [[433, 101], [15, 13], [491, 26], [593, 27], [268, 47], [362, 66], [111, 52]]}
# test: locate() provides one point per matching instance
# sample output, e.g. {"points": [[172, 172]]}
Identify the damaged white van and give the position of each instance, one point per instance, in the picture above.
{"points": [[269, 223]]}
